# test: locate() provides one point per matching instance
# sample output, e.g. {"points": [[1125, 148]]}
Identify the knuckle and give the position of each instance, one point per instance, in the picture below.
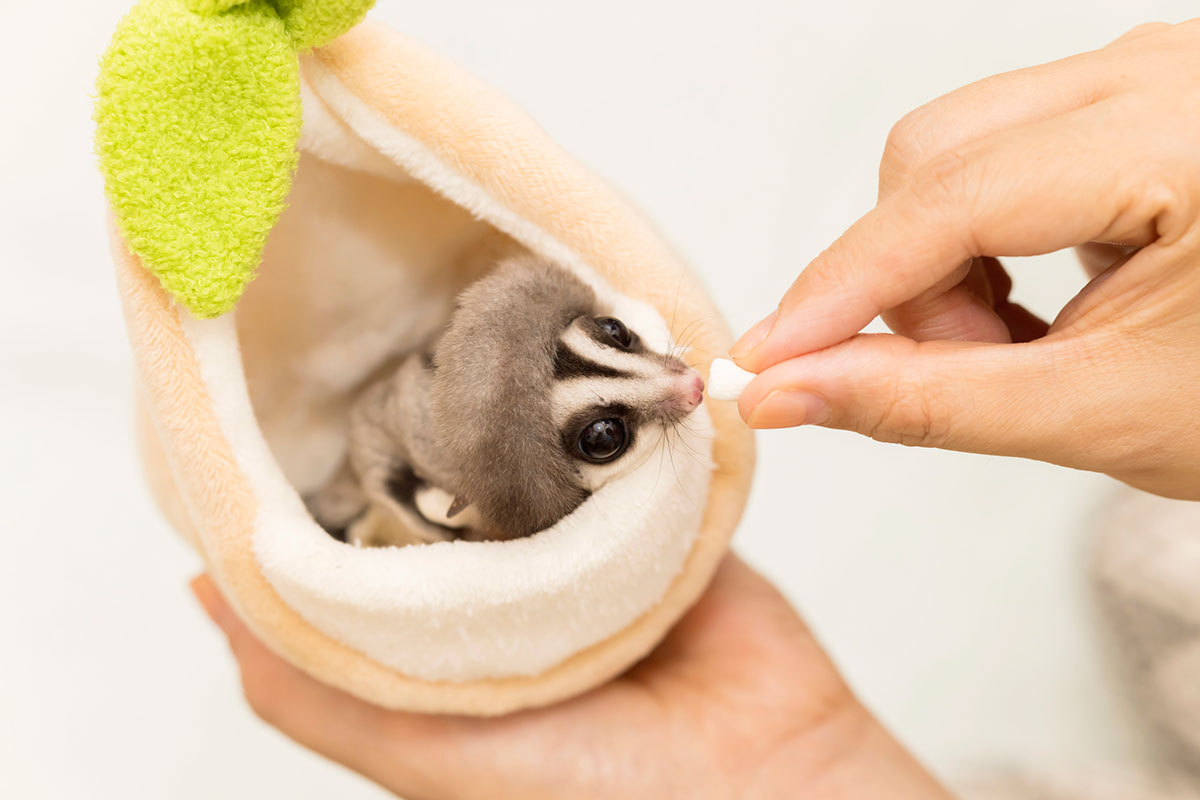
{"points": [[1150, 27], [1146, 28], [909, 418], [951, 186], [1188, 28], [1160, 199], [946, 178], [906, 145], [908, 413], [1117, 442], [1162, 192]]}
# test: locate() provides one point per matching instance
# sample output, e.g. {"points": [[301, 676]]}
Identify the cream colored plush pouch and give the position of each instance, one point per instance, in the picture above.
{"points": [[412, 175]]}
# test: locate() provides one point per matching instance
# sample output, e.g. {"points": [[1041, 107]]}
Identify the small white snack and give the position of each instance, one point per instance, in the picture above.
{"points": [[726, 380]]}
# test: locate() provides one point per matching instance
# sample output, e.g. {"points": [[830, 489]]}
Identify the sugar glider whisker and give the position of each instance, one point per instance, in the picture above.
{"points": [[532, 398]]}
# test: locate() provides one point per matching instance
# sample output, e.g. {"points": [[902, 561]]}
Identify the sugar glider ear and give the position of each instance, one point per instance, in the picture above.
{"points": [[457, 507]]}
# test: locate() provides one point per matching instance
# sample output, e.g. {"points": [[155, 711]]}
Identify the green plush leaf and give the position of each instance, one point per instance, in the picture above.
{"points": [[197, 122], [212, 6], [312, 23]]}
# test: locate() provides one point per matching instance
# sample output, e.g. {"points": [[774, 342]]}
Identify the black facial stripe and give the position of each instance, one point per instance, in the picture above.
{"points": [[568, 364], [596, 333]]}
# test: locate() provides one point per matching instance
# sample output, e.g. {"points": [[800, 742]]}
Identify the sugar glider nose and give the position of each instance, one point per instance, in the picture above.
{"points": [[690, 389]]}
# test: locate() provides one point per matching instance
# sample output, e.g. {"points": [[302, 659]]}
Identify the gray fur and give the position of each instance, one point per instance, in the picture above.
{"points": [[471, 419], [498, 350], [390, 429]]}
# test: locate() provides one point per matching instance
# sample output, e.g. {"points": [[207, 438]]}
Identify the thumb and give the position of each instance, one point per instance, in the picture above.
{"points": [[319, 717], [1002, 399]]}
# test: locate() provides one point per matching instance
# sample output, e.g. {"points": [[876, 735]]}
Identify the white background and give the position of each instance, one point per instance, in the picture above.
{"points": [[950, 588]]}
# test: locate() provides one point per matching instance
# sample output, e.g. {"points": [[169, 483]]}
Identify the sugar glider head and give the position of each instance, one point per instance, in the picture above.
{"points": [[541, 395]]}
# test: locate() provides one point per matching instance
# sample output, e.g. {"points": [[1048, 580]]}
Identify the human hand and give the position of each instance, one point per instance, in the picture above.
{"points": [[1101, 150], [738, 701]]}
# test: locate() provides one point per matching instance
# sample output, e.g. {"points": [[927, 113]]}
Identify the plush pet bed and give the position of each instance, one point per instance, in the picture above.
{"points": [[411, 176]]}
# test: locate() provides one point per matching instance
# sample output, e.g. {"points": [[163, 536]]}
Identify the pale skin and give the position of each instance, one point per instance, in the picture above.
{"points": [[1101, 152], [738, 701]]}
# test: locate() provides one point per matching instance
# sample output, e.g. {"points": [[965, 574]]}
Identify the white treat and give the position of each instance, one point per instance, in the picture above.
{"points": [[726, 380]]}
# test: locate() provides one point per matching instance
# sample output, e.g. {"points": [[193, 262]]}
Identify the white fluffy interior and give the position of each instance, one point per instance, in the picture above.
{"points": [[459, 611]]}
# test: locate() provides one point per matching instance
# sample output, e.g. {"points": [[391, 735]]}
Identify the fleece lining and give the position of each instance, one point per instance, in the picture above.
{"points": [[410, 171], [458, 611]]}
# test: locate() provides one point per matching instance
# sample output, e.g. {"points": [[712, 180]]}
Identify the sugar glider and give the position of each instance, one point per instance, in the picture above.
{"points": [[532, 398]]}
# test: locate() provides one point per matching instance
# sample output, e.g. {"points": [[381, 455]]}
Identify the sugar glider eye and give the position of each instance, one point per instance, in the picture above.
{"points": [[603, 440], [616, 331]]}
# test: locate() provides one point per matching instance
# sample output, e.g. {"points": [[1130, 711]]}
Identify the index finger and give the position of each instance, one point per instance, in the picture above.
{"points": [[1021, 192]]}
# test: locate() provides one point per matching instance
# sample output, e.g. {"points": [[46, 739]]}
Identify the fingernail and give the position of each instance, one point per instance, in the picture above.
{"points": [[753, 337], [785, 408]]}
